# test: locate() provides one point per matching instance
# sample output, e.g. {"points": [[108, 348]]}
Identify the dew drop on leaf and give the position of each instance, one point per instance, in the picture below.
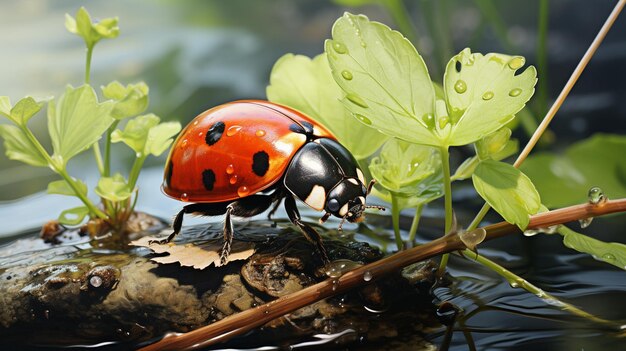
{"points": [[443, 121], [429, 120], [460, 86], [340, 48], [608, 257], [363, 119], [357, 100], [347, 75], [515, 92], [517, 62], [488, 95], [595, 196]]}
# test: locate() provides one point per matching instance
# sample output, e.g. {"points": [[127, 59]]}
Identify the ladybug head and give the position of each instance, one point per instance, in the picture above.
{"points": [[347, 201]]}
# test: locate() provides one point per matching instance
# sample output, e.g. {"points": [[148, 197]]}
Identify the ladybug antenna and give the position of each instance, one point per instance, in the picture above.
{"points": [[380, 208], [343, 219], [370, 186], [324, 217]]}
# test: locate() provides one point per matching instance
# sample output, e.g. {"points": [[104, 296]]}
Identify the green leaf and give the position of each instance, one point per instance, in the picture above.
{"points": [[161, 137], [308, 86], [62, 188], [113, 188], [466, 169], [73, 216], [411, 172], [612, 253], [389, 87], [77, 121], [484, 93], [91, 32], [495, 146], [18, 147], [563, 179], [22, 111], [492, 143], [507, 190], [129, 101], [135, 133]]}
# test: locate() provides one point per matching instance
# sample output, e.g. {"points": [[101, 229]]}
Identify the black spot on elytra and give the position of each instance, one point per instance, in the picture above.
{"points": [[298, 128], [214, 133], [208, 179], [168, 173], [458, 66], [260, 163]]}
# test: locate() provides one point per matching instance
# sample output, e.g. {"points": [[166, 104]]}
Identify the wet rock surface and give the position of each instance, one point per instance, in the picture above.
{"points": [[84, 291]]}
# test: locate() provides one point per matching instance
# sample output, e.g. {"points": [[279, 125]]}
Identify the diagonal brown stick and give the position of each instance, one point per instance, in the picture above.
{"points": [[245, 321]]}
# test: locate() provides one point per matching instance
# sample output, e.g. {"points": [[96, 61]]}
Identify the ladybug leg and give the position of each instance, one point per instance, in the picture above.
{"points": [[309, 233], [273, 210], [199, 208], [228, 236]]}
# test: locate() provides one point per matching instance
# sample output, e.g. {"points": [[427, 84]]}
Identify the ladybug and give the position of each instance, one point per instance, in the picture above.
{"points": [[240, 158]]}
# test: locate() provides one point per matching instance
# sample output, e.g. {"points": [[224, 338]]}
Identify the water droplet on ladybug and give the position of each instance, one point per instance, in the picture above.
{"points": [[233, 179], [230, 169], [260, 133], [363, 119], [184, 143], [184, 197], [515, 92], [233, 130], [517, 62], [488, 95], [357, 100], [460, 86], [340, 48], [243, 191], [200, 134], [195, 123], [347, 75]]}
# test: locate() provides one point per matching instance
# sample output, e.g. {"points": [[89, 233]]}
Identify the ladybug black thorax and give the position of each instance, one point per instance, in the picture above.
{"points": [[325, 176]]}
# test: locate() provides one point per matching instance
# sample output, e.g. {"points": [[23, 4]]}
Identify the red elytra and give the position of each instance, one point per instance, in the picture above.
{"points": [[222, 167]]}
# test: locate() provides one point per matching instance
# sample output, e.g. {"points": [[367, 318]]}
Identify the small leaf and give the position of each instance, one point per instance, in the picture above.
{"points": [[564, 179], [130, 100], [18, 147], [612, 253], [91, 32], [507, 190], [77, 121], [61, 187], [409, 171], [161, 137], [390, 89], [466, 169], [73, 216], [492, 143], [22, 111], [484, 93], [135, 134], [308, 86], [113, 188]]}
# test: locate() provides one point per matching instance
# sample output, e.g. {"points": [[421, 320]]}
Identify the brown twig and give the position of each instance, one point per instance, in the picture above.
{"points": [[245, 321]]}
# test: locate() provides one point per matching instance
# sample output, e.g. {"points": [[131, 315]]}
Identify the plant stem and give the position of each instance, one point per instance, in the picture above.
{"points": [[479, 217], [518, 282], [107, 149], [395, 219], [62, 172], [244, 321], [566, 90], [134, 171], [542, 56], [415, 223], [88, 64], [447, 183], [98, 156]]}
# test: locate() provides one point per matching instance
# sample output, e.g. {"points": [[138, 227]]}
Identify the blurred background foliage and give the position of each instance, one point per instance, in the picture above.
{"points": [[200, 53]]}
